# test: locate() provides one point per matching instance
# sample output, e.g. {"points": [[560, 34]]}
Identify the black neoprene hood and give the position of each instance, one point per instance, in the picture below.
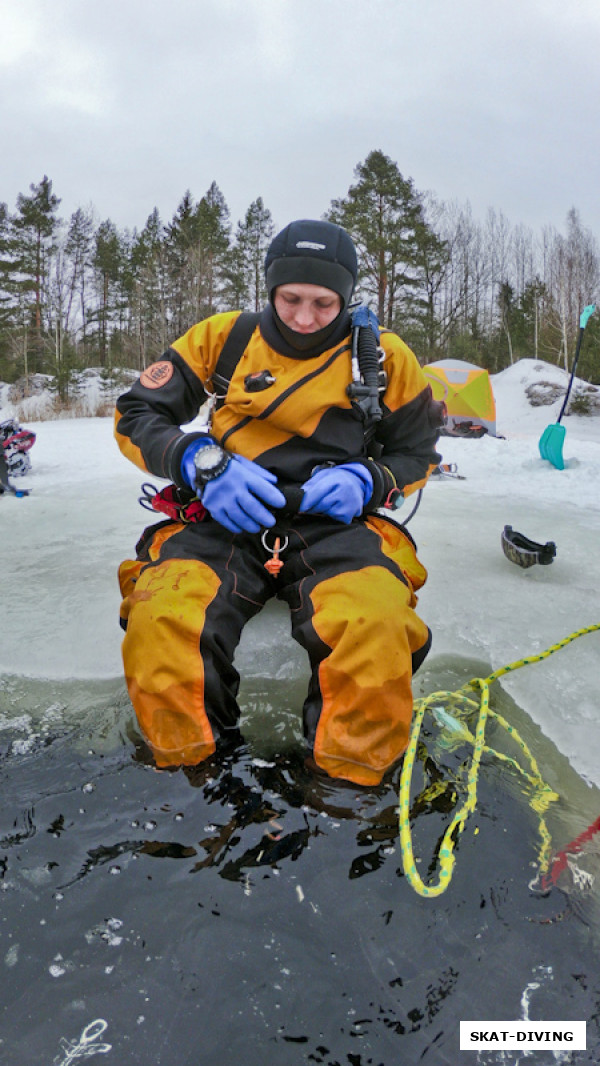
{"points": [[312, 253]]}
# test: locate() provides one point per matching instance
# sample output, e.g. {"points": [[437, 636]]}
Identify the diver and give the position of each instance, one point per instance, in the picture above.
{"points": [[288, 492]]}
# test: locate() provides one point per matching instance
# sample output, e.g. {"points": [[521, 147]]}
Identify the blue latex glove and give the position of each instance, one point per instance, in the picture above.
{"points": [[340, 492], [237, 497]]}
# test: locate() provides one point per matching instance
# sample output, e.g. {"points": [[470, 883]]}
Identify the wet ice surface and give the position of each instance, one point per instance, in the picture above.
{"points": [[61, 547], [248, 912]]}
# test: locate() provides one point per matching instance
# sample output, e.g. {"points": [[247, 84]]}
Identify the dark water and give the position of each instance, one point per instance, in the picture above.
{"points": [[250, 913]]}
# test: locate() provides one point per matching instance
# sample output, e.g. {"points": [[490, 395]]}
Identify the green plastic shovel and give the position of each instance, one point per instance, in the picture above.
{"points": [[551, 440]]}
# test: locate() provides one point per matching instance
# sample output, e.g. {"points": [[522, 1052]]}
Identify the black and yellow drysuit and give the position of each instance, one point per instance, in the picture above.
{"points": [[350, 588]]}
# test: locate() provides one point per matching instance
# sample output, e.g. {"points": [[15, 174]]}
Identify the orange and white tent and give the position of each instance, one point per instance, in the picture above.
{"points": [[466, 390]]}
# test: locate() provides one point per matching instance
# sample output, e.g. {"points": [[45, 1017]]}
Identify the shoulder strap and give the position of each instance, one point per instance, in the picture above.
{"points": [[232, 351]]}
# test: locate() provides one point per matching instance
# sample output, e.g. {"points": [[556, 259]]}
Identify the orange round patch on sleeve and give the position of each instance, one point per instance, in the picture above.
{"points": [[157, 375]]}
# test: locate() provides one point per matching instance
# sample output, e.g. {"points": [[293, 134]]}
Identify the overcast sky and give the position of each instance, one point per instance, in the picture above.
{"points": [[126, 104]]}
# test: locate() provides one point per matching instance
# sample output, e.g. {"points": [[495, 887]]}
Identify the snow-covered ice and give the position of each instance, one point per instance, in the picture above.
{"points": [[62, 544]]}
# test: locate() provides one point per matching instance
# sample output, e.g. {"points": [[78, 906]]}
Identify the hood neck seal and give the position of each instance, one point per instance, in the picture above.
{"points": [[295, 345]]}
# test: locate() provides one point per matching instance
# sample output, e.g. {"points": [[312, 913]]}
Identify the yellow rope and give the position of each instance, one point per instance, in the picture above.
{"points": [[543, 795]]}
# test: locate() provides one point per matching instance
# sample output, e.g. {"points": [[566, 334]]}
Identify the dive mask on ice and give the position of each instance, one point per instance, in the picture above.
{"points": [[525, 552]]}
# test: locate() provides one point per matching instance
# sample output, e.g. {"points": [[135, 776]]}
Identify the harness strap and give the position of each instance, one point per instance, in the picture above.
{"points": [[231, 353], [365, 396]]}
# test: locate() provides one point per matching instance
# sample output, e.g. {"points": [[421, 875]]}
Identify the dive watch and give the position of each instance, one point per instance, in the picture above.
{"points": [[210, 461]]}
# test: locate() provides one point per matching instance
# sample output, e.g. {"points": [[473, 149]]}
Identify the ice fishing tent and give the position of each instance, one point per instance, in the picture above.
{"points": [[466, 390]]}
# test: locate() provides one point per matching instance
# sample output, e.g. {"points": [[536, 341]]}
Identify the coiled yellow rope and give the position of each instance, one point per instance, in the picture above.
{"points": [[542, 797]]}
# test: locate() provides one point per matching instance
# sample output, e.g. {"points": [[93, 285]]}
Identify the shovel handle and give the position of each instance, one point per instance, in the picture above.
{"points": [[583, 320]]}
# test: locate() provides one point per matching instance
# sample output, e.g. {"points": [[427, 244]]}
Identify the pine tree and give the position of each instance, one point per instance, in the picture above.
{"points": [[383, 213], [150, 290], [210, 258], [6, 266], [531, 303], [35, 225], [6, 289], [252, 239], [419, 317], [107, 263], [181, 236], [79, 249], [235, 291]]}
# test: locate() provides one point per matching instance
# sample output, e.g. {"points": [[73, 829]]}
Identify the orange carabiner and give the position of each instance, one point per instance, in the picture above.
{"points": [[274, 564]]}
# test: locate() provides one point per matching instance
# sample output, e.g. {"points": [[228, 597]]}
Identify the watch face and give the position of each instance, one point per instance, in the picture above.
{"points": [[210, 461], [208, 458]]}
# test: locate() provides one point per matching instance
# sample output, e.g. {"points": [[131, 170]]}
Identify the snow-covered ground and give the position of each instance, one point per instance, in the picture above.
{"points": [[62, 544]]}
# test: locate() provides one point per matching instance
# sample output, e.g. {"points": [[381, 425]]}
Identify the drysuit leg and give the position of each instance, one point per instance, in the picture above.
{"points": [[186, 600], [356, 618]]}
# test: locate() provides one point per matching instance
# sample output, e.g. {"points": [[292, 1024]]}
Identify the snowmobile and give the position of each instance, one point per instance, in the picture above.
{"points": [[16, 444], [14, 458]]}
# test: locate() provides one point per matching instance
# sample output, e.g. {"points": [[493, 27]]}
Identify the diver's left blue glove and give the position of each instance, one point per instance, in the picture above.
{"points": [[340, 492]]}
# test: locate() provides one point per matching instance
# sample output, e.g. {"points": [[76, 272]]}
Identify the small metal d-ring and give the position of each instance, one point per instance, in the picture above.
{"points": [[281, 547]]}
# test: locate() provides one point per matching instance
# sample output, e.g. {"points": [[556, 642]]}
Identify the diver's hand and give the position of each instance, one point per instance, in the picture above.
{"points": [[340, 492], [241, 496]]}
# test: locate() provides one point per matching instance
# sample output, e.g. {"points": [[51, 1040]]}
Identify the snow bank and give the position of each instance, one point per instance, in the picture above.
{"points": [[93, 392]]}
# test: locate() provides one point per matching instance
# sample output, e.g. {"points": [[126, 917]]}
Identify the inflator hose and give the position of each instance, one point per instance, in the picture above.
{"points": [[368, 361]]}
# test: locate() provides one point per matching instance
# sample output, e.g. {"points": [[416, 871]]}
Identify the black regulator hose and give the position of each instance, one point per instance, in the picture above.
{"points": [[365, 393]]}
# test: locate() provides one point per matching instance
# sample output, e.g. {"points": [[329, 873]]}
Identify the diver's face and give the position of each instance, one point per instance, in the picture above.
{"points": [[306, 308]]}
